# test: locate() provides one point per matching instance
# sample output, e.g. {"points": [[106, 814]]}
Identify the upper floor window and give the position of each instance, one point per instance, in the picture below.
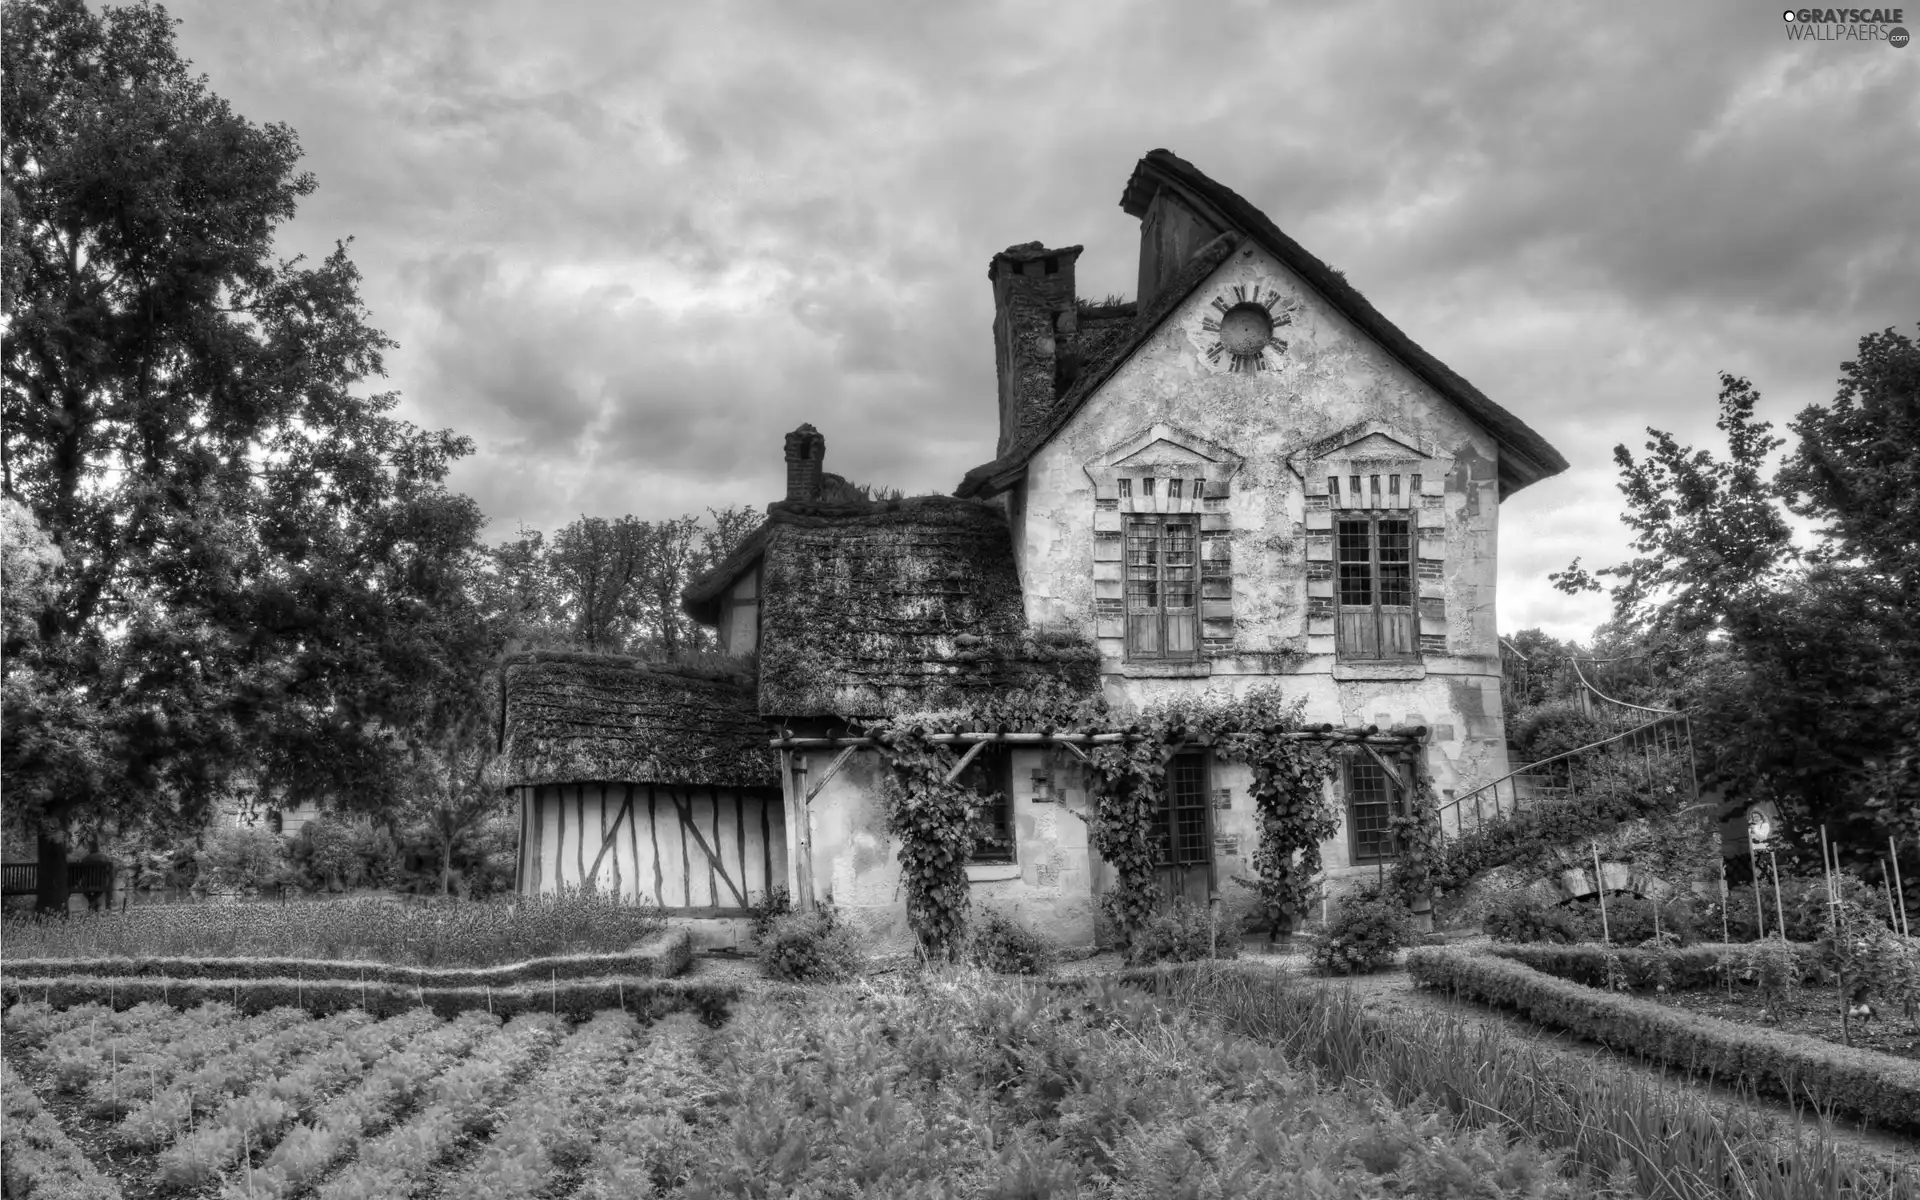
{"points": [[1375, 586], [1162, 609]]}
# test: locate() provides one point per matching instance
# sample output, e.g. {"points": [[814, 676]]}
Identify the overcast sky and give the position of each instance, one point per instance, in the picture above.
{"points": [[626, 247]]}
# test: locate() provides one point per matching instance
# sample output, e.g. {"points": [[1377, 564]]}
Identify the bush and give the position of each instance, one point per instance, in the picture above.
{"points": [[773, 903], [1879, 1087], [810, 947], [242, 860], [1803, 900], [1520, 917], [1003, 945], [1364, 934], [1554, 727], [1185, 932]]}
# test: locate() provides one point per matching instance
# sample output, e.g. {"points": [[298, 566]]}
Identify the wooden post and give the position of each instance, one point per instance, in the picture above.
{"points": [[1779, 907], [1600, 889], [1898, 889], [1759, 908]]}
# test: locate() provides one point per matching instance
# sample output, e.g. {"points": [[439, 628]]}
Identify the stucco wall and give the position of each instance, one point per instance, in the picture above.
{"points": [[1048, 887], [1330, 378]]}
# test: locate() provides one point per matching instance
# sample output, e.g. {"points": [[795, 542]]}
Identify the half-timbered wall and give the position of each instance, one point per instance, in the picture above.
{"points": [[694, 851]]}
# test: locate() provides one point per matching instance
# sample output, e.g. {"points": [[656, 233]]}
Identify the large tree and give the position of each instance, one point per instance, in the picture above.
{"points": [[1803, 660], [261, 567]]}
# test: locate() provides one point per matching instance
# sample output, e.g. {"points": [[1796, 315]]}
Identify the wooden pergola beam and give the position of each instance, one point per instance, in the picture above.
{"points": [[1369, 735]]}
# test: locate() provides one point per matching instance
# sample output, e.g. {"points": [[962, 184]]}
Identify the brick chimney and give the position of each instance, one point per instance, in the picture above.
{"points": [[1033, 313], [806, 452]]}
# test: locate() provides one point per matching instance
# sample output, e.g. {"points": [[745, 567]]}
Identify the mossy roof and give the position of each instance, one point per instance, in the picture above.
{"points": [[886, 607], [579, 718], [1525, 456]]}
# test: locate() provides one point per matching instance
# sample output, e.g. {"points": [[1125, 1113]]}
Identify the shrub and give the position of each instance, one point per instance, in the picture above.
{"points": [[1184, 932], [1520, 917], [773, 903], [1364, 934], [1554, 727], [810, 947], [242, 860], [1803, 900], [1003, 945]]}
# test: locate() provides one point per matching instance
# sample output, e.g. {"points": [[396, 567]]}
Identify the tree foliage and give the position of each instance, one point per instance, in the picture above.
{"points": [[259, 563], [1803, 663]]}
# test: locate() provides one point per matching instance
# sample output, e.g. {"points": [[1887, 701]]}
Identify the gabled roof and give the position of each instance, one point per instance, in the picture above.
{"points": [[599, 718], [1525, 456], [884, 607]]}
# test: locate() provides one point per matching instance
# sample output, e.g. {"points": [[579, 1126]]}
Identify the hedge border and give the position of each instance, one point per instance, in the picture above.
{"points": [[663, 956], [1693, 967], [1878, 1087], [577, 999]]}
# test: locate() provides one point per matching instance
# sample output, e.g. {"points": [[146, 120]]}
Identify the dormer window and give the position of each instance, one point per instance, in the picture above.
{"points": [[1174, 487], [1146, 486], [1126, 489]]}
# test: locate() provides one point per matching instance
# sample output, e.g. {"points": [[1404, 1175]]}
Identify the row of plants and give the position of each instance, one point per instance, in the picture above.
{"points": [[1877, 1087], [547, 1127], [576, 999], [1619, 1132], [37, 1158], [649, 1129], [451, 933], [1525, 918], [1689, 968], [665, 956], [311, 1147], [260, 1117], [193, 1094], [113, 1076], [464, 1102]]}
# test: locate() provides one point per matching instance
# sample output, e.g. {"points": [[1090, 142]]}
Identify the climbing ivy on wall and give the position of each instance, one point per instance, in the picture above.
{"points": [[933, 819], [1416, 832]]}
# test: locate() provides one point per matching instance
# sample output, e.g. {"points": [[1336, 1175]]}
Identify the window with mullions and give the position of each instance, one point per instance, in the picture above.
{"points": [[1370, 797], [1181, 836], [1163, 615], [990, 774], [1375, 583]]}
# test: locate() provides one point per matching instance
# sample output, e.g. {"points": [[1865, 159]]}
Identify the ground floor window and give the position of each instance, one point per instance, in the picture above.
{"points": [[990, 775], [1182, 835], [1370, 796]]}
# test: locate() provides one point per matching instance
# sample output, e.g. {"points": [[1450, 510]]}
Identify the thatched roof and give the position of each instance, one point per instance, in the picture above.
{"points": [[896, 606], [580, 718], [1525, 456]]}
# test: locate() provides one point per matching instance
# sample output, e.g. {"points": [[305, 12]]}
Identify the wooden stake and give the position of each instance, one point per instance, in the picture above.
{"points": [[1759, 909], [1898, 889], [1779, 908], [1833, 923], [1886, 882], [1600, 887]]}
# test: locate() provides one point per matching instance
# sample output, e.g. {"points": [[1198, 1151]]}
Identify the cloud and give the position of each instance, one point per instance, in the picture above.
{"points": [[627, 247]]}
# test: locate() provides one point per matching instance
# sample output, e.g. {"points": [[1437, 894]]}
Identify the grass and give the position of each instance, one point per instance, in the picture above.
{"points": [[469, 933], [1618, 1131]]}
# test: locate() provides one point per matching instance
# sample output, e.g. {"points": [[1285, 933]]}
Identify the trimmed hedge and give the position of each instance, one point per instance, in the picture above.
{"points": [[662, 957], [1692, 967], [576, 999], [1879, 1087]]}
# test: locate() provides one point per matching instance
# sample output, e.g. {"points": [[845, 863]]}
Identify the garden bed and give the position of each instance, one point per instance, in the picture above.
{"points": [[1811, 1014]]}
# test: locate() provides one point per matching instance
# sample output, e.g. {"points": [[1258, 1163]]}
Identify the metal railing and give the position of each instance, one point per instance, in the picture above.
{"points": [[23, 879], [1651, 746]]}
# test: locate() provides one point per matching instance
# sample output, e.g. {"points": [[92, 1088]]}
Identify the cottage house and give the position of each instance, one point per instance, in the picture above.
{"points": [[1245, 476]]}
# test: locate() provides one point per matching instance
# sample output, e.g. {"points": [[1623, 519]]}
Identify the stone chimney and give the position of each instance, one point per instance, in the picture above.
{"points": [[806, 452], [1033, 314]]}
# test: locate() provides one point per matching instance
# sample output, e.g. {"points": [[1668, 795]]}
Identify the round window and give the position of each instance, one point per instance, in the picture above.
{"points": [[1246, 329]]}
